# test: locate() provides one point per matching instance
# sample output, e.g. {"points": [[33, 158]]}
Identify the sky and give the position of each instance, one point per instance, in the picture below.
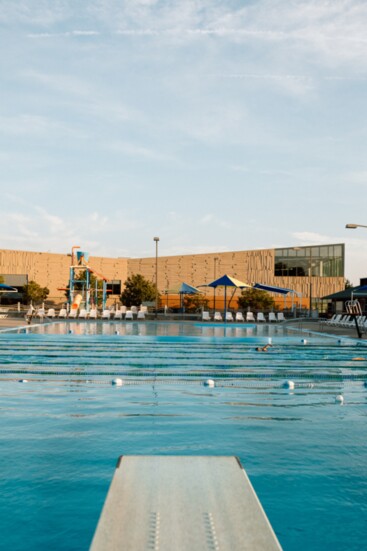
{"points": [[215, 125]]}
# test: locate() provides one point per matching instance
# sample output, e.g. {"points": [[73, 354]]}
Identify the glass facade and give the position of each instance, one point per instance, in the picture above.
{"points": [[320, 261]]}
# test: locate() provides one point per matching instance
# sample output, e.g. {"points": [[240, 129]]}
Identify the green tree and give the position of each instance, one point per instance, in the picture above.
{"points": [[255, 300], [35, 293], [138, 290], [193, 303], [348, 284]]}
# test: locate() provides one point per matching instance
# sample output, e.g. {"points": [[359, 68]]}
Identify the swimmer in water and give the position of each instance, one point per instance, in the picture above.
{"points": [[263, 348]]}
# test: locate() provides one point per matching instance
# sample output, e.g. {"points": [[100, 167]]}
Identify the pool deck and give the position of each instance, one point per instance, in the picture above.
{"points": [[301, 324]]}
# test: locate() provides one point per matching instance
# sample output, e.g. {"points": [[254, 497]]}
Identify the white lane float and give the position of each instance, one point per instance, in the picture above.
{"points": [[117, 382], [288, 384]]}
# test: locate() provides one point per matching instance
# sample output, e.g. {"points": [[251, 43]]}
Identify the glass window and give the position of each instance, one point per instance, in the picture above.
{"points": [[323, 261]]}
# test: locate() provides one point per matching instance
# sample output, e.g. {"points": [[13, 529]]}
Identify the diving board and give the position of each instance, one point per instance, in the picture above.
{"points": [[182, 503]]}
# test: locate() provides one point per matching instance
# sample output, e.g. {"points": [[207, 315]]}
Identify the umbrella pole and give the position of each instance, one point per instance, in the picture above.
{"points": [[225, 304]]}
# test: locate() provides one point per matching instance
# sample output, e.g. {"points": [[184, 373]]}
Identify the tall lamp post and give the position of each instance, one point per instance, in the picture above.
{"points": [[156, 239], [354, 226]]}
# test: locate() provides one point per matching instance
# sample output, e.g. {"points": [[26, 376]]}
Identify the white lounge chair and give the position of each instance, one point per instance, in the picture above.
{"points": [[141, 315], [93, 314], [260, 317], [280, 316], [118, 315], [134, 309], [143, 309], [229, 316], [50, 313], [250, 316], [63, 313], [123, 309], [218, 316], [106, 314], [73, 313], [83, 314], [40, 313], [129, 315], [205, 316], [239, 316], [272, 317]]}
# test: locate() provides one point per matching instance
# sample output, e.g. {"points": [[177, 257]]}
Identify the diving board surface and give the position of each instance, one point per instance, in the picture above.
{"points": [[182, 503]]}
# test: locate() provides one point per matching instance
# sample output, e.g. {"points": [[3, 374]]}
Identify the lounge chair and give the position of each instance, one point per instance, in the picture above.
{"points": [[205, 316], [229, 316], [143, 309], [93, 314], [260, 317], [134, 309], [272, 317], [218, 316], [40, 313], [63, 313], [106, 314], [250, 316], [73, 313], [239, 316], [280, 316], [129, 315], [141, 315], [50, 313], [118, 315], [83, 314]]}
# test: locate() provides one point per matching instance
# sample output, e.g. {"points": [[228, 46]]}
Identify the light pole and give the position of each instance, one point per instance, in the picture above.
{"points": [[354, 226], [156, 239], [216, 258]]}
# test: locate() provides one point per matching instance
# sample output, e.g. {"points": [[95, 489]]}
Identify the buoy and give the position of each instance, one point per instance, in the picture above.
{"points": [[23, 381], [339, 399], [209, 382], [304, 341], [117, 382], [288, 384]]}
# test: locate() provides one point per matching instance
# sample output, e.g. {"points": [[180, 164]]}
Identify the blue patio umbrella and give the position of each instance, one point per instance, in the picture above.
{"points": [[228, 281]]}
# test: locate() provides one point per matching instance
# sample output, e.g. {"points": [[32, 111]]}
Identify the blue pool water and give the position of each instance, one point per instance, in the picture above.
{"points": [[63, 430]]}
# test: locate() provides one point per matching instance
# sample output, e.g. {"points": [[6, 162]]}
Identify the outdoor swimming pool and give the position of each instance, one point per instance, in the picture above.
{"points": [[63, 430]]}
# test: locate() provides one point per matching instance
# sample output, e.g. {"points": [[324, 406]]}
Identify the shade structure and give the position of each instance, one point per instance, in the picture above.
{"points": [[272, 289], [280, 290], [7, 289], [228, 281], [186, 289], [360, 291]]}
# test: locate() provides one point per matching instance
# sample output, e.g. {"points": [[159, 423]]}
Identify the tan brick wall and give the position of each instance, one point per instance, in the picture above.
{"points": [[52, 270]]}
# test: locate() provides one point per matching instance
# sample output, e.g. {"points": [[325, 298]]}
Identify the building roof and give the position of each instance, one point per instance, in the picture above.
{"points": [[346, 294]]}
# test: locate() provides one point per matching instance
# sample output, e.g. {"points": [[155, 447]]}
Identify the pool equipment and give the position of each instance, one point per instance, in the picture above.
{"points": [[210, 383], [80, 282], [117, 382], [339, 399], [288, 384]]}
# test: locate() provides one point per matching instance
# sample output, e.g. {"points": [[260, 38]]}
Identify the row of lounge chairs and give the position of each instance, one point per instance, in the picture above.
{"points": [[340, 320], [250, 317], [119, 314]]}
